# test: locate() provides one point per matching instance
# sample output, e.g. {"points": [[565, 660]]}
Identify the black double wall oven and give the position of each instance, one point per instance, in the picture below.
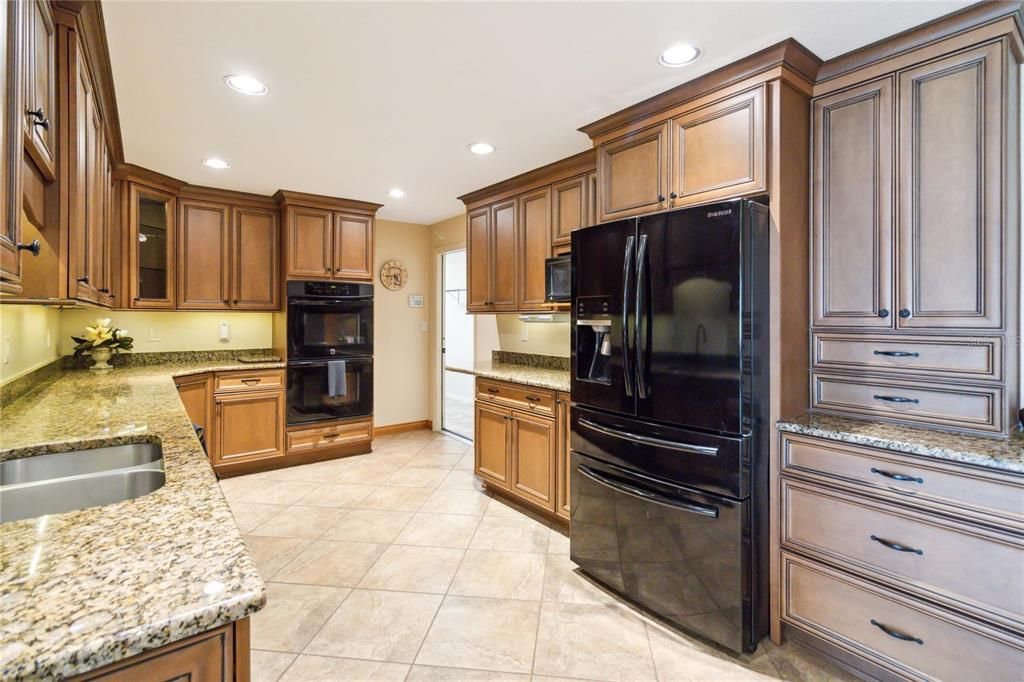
{"points": [[330, 351], [669, 389]]}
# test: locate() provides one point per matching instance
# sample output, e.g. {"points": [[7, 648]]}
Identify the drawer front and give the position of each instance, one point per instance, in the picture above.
{"points": [[301, 440], [973, 359], [962, 407], [852, 614], [270, 379], [957, 564], [536, 400], [909, 476]]}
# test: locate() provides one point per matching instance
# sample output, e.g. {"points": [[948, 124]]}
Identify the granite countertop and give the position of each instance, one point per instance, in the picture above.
{"points": [[83, 589], [540, 377], [991, 453]]}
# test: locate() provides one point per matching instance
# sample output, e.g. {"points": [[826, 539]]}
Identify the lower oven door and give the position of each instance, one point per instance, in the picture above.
{"points": [[674, 550], [329, 389]]}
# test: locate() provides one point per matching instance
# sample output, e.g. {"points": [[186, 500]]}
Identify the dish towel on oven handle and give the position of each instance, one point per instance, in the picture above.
{"points": [[336, 381]]}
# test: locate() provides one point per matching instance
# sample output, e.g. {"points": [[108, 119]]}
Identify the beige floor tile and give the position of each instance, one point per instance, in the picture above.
{"points": [[397, 446], [591, 641], [435, 459], [558, 540], [446, 445], [272, 554], [499, 506], [483, 634], [451, 501], [299, 522], [279, 492], [234, 488], [439, 530], [248, 516], [379, 626], [321, 668], [308, 473], [504, 575], [396, 498], [418, 476], [467, 462], [679, 659], [511, 534], [426, 673], [268, 666], [462, 480], [371, 473], [369, 525], [293, 614], [796, 663], [564, 584], [337, 495], [413, 569], [327, 562]]}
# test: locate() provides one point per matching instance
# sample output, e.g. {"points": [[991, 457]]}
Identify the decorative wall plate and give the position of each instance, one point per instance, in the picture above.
{"points": [[393, 275]]}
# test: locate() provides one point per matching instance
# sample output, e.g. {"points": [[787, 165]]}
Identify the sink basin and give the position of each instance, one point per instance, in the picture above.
{"points": [[77, 462], [61, 482]]}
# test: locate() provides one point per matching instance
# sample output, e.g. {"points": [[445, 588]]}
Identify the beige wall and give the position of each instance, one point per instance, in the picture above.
{"points": [[401, 343], [176, 331], [32, 335], [539, 338]]}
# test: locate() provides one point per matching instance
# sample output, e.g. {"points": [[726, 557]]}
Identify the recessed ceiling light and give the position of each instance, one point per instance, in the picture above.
{"points": [[679, 55], [396, 193], [247, 85], [214, 162], [481, 148]]}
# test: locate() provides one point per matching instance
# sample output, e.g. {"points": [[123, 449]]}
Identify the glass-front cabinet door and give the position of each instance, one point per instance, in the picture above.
{"points": [[151, 255]]}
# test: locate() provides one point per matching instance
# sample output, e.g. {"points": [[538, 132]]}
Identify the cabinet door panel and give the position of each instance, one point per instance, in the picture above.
{"points": [[310, 236], [562, 454], [952, 141], [197, 398], [633, 171], [568, 208], [491, 444], [534, 247], [151, 248], [255, 263], [249, 426], [533, 459], [202, 254], [10, 155], [719, 150], [40, 86], [503, 256], [478, 258], [81, 191], [593, 217], [852, 228], [353, 246]]}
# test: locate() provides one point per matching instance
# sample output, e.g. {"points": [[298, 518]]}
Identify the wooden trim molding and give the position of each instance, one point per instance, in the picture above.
{"points": [[150, 178], [287, 197], [577, 164], [391, 429], [227, 196]]}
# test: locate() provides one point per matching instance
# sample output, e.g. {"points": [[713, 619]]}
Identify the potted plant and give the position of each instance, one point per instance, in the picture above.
{"points": [[101, 341]]}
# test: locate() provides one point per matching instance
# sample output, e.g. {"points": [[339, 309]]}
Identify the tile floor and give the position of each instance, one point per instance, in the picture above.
{"points": [[397, 566]]}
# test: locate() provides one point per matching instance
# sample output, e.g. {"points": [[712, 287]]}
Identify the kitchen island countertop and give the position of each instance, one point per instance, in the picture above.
{"points": [[539, 377]]}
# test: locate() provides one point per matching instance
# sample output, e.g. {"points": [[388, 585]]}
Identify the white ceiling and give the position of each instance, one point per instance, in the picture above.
{"points": [[369, 96]]}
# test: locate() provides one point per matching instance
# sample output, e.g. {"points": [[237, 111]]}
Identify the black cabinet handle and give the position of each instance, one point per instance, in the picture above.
{"points": [[896, 633], [897, 353], [33, 246], [492, 390], [84, 279], [897, 477], [883, 313], [103, 291], [895, 545], [533, 398], [904, 313], [40, 118], [896, 399], [673, 195], [661, 197], [44, 124]]}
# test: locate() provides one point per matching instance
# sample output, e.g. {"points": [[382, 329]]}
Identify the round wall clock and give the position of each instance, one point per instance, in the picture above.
{"points": [[393, 275]]}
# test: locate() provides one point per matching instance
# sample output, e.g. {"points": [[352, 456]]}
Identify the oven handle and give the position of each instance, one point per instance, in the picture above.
{"points": [[647, 496], [332, 301], [323, 363], [648, 440]]}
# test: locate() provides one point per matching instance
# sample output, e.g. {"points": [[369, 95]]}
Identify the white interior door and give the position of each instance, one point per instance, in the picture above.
{"points": [[456, 347]]}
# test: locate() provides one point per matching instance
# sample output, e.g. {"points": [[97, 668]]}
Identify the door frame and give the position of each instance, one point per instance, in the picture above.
{"points": [[437, 407]]}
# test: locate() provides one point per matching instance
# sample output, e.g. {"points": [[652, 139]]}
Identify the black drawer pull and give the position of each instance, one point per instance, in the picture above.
{"points": [[897, 353], [896, 399], [897, 477], [493, 390], [896, 633], [533, 398], [896, 546]]}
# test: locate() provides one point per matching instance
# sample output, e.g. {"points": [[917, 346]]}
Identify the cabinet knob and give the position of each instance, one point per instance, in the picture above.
{"points": [[84, 279], [882, 312], [904, 313], [673, 195], [103, 291], [661, 197], [33, 246], [40, 118]]}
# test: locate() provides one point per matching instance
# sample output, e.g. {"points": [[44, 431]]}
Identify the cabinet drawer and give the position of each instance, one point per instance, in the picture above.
{"points": [[534, 400], [962, 565], [852, 614], [956, 358], [918, 480], [227, 382], [301, 440], [963, 407]]}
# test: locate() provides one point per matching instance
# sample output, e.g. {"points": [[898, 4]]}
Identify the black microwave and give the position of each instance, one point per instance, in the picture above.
{"points": [[557, 279]]}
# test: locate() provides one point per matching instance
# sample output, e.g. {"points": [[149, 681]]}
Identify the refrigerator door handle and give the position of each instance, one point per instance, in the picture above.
{"points": [[648, 496], [641, 320], [627, 272], [649, 440]]}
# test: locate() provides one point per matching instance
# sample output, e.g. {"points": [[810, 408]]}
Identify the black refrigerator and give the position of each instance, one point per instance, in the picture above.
{"points": [[669, 498]]}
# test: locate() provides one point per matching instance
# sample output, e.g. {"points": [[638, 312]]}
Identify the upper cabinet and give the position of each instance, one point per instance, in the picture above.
{"points": [[326, 237], [40, 86], [11, 27], [151, 248], [534, 247], [633, 171], [255, 260], [504, 256], [569, 209]]}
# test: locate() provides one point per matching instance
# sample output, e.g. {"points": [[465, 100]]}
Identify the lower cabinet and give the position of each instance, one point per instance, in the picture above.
{"points": [[250, 425], [562, 454], [519, 450], [197, 398], [331, 437]]}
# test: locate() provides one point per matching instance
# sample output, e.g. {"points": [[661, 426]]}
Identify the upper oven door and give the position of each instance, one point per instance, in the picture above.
{"points": [[326, 328]]}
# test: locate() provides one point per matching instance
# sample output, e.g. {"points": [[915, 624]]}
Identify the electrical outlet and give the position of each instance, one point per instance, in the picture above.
{"points": [[225, 331], [154, 335], [7, 349], [524, 332], [49, 341]]}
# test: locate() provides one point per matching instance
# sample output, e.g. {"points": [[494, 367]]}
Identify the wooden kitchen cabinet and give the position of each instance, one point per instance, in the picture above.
{"points": [[852, 207], [504, 257], [11, 27], [353, 247], [569, 208], [255, 263], [249, 425], [197, 396], [634, 173], [534, 247], [592, 217], [563, 454], [39, 115], [310, 234], [151, 248], [533, 446], [327, 237], [492, 437], [203, 255], [478, 259]]}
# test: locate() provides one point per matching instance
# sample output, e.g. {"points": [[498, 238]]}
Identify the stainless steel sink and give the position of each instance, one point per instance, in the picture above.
{"points": [[66, 481]]}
